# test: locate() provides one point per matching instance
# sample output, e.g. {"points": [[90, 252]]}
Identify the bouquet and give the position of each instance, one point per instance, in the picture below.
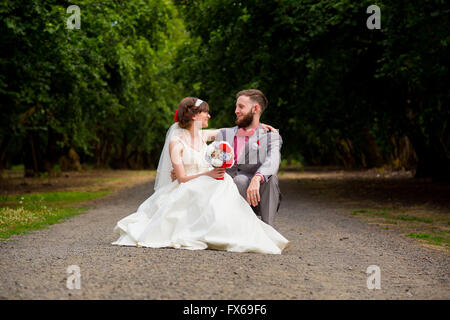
{"points": [[220, 155]]}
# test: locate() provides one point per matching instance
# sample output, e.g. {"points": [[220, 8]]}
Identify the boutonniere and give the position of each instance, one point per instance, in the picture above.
{"points": [[255, 145]]}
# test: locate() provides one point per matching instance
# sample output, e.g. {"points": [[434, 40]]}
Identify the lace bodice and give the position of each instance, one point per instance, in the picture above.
{"points": [[193, 160]]}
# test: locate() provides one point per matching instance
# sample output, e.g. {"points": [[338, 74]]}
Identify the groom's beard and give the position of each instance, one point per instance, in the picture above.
{"points": [[245, 121]]}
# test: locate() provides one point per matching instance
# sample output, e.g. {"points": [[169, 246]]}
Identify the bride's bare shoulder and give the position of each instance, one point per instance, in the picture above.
{"points": [[176, 144]]}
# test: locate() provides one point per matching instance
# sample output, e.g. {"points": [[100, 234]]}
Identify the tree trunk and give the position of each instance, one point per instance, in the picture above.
{"points": [[33, 158], [52, 154], [373, 157], [433, 159], [3, 148], [432, 163]]}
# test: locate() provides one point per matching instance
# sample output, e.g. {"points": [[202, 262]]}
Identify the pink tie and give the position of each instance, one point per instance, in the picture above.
{"points": [[243, 133]]}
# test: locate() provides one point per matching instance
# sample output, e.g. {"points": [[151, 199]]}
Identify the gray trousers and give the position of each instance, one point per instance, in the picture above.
{"points": [[270, 195]]}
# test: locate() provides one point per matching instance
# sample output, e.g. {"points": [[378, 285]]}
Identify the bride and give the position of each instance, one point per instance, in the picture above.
{"points": [[196, 211]]}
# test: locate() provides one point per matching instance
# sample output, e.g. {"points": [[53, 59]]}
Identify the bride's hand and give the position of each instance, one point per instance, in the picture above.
{"points": [[268, 128], [173, 176], [216, 173]]}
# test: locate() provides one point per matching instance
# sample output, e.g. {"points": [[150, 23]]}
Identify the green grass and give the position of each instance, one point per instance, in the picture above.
{"points": [[441, 238], [18, 167], [431, 229], [385, 214], [106, 179], [413, 218], [19, 214], [16, 171], [21, 220], [354, 213], [62, 198]]}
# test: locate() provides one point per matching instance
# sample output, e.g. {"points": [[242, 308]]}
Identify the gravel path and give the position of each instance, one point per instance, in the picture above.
{"points": [[328, 257]]}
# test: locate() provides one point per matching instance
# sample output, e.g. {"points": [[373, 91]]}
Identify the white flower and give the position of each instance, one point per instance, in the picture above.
{"points": [[209, 149], [255, 146], [215, 144], [216, 162], [226, 156]]}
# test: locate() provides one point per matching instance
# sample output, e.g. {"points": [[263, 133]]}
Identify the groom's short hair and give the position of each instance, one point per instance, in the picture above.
{"points": [[256, 96]]}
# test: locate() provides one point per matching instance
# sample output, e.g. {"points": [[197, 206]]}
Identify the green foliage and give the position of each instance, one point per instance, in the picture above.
{"points": [[310, 59], [339, 92], [414, 64], [104, 90]]}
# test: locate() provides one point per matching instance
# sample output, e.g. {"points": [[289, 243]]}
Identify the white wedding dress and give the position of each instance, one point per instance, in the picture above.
{"points": [[199, 214]]}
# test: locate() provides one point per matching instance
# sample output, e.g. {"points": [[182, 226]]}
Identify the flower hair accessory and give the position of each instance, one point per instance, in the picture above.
{"points": [[198, 102], [176, 116]]}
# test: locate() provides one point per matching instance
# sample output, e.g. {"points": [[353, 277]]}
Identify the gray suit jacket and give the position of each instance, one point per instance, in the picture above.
{"points": [[264, 157]]}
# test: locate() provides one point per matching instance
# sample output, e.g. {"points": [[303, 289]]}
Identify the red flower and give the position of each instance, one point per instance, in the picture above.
{"points": [[257, 142], [176, 116], [225, 148]]}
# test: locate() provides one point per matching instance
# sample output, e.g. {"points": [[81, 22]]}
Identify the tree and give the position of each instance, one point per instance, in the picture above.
{"points": [[335, 88], [104, 91]]}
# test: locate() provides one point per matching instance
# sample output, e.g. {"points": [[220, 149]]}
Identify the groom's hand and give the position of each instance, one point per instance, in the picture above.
{"points": [[253, 197]]}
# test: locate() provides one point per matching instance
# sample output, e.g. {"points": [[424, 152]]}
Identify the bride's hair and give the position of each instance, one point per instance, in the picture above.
{"points": [[187, 109]]}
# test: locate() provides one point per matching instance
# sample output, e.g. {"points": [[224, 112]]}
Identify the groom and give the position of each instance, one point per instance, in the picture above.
{"points": [[257, 155]]}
